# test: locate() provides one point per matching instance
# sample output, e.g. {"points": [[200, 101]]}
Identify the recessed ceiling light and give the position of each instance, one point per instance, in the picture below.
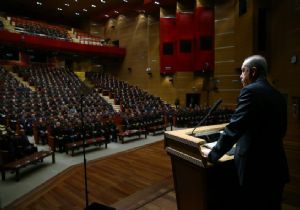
{"points": [[156, 2], [102, 1], [75, 0], [59, 9], [85, 10], [125, 0], [116, 12], [39, 3], [93, 5], [66, 4], [77, 13], [106, 15]]}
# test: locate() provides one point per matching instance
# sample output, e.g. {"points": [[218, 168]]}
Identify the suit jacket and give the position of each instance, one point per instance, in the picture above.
{"points": [[257, 126]]}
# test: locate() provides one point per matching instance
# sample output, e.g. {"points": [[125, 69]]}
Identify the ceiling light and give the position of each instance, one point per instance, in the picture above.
{"points": [[39, 3], [75, 0], [66, 4], [85, 10], [102, 1], [116, 12], [156, 2], [106, 15], [125, 0], [93, 5], [59, 9], [77, 13]]}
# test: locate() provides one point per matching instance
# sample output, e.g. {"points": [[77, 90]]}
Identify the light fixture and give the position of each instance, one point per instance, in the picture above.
{"points": [[77, 13], [76, 0], [39, 3], [149, 71], [59, 9], [85, 10], [93, 5], [106, 16], [102, 1], [116, 12], [156, 2], [67, 5], [125, 1]]}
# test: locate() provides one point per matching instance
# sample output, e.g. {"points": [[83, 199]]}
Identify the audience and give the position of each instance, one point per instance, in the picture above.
{"points": [[58, 109]]}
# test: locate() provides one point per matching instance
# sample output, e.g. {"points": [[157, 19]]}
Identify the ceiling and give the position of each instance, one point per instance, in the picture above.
{"points": [[73, 12]]}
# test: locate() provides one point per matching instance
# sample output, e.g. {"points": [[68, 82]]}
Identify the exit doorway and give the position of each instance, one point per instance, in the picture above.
{"points": [[192, 99]]}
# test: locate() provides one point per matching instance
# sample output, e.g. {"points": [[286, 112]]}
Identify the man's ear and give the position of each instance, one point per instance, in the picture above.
{"points": [[254, 72]]}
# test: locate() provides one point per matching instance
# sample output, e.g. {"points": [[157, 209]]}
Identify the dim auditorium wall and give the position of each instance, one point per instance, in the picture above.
{"points": [[285, 75]]}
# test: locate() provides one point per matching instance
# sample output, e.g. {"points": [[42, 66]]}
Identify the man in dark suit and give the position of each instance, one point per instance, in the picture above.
{"points": [[257, 127]]}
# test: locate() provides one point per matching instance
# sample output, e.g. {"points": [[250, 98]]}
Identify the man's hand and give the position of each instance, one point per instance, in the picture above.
{"points": [[205, 151]]}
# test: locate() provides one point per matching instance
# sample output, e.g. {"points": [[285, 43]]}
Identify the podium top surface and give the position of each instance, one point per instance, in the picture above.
{"points": [[185, 135], [182, 143]]}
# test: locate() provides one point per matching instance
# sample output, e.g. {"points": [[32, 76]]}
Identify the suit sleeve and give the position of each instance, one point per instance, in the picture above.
{"points": [[239, 122]]}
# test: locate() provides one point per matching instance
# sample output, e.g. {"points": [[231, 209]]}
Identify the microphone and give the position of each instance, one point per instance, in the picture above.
{"points": [[211, 110]]}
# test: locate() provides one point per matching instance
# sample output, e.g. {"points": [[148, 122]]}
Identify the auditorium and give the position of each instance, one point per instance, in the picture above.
{"points": [[149, 104]]}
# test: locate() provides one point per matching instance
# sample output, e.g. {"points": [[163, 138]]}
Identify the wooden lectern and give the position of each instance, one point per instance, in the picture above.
{"points": [[199, 185]]}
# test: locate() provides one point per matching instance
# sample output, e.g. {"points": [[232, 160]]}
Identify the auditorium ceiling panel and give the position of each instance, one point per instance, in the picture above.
{"points": [[69, 12]]}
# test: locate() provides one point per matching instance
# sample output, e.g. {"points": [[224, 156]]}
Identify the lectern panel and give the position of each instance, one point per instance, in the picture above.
{"points": [[200, 185]]}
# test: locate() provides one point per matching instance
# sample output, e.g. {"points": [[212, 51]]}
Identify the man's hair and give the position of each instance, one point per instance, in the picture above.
{"points": [[259, 62]]}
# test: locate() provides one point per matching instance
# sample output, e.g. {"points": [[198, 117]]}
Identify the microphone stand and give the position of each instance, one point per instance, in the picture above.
{"points": [[201, 122], [94, 206], [211, 110], [84, 156]]}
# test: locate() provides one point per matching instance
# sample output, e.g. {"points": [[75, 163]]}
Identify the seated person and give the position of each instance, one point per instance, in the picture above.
{"points": [[22, 145]]}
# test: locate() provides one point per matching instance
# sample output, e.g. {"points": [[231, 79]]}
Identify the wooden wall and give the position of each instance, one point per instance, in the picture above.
{"points": [[231, 32], [284, 41]]}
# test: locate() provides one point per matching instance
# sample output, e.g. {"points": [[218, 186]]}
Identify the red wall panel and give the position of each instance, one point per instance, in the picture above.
{"points": [[167, 36], [185, 32], [204, 36]]}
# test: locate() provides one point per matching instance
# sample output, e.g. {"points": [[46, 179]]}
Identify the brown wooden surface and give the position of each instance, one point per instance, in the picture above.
{"points": [[110, 180]]}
